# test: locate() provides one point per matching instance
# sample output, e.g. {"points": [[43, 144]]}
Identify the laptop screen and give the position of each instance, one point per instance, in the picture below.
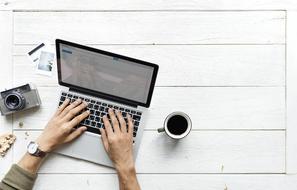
{"points": [[109, 74]]}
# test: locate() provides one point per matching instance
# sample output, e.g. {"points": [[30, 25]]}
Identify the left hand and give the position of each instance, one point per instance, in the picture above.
{"points": [[60, 129]]}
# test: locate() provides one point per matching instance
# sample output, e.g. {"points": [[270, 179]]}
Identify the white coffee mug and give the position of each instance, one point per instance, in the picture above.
{"points": [[177, 125]]}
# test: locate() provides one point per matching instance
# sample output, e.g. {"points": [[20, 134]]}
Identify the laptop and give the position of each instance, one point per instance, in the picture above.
{"points": [[104, 80]]}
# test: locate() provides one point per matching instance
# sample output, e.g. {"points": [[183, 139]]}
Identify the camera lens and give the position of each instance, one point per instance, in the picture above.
{"points": [[14, 101]]}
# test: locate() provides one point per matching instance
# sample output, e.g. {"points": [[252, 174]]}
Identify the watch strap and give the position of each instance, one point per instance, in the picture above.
{"points": [[40, 153]]}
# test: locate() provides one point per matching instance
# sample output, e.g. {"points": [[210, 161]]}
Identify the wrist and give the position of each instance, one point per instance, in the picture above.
{"points": [[127, 178], [30, 163], [126, 170], [44, 146]]}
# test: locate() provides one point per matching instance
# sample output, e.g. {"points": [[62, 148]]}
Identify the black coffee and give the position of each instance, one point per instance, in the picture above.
{"points": [[177, 125]]}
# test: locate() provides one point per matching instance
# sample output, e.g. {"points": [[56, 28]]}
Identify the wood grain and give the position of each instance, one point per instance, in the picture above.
{"points": [[239, 128], [209, 107], [151, 27], [168, 181], [6, 32], [6, 77], [188, 65], [148, 5], [291, 95], [207, 151]]}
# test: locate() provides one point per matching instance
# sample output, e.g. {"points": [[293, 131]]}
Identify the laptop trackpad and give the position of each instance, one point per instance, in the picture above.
{"points": [[87, 147]]}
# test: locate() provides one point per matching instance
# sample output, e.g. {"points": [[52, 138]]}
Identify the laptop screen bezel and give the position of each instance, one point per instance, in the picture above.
{"points": [[102, 94]]}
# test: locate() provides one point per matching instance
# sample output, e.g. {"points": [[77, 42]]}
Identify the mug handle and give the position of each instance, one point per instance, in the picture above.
{"points": [[160, 130]]}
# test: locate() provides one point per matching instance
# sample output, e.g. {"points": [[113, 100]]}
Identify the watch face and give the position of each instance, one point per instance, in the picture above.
{"points": [[32, 147]]}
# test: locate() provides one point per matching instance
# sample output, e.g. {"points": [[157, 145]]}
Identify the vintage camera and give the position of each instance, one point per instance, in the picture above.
{"points": [[19, 98]]}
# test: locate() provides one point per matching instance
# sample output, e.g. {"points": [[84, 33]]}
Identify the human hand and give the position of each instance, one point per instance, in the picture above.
{"points": [[60, 129], [118, 143]]}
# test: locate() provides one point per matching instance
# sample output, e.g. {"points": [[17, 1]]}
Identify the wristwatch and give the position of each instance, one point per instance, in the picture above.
{"points": [[33, 149]]}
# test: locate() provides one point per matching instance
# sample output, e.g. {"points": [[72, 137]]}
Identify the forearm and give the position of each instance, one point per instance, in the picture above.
{"points": [[22, 176], [127, 179], [30, 163]]}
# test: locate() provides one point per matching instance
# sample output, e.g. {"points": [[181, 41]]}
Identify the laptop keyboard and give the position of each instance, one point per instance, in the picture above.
{"points": [[98, 109]]}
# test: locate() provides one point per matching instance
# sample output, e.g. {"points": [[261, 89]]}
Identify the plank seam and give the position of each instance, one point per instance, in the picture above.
{"points": [[148, 10], [12, 76], [257, 174], [191, 86], [161, 173], [286, 30], [174, 44], [231, 130]]}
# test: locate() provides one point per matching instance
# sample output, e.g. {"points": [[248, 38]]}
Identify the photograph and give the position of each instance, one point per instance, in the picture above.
{"points": [[34, 54], [45, 64]]}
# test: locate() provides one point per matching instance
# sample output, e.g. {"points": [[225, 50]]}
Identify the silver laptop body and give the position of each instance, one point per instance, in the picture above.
{"points": [[103, 79]]}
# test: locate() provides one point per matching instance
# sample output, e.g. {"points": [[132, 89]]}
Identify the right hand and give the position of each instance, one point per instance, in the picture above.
{"points": [[61, 128], [118, 143]]}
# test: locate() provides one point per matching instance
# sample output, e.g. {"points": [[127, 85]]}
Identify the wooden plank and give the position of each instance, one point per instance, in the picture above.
{"points": [[209, 107], [24, 70], [201, 65], [6, 76], [291, 93], [5, 127], [55, 163], [6, 19], [173, 182], [189, 27], [147, 5], [200, 152]]}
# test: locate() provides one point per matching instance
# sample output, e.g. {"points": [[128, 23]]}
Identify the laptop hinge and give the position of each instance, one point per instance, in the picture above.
{"points": [[106, 97]]}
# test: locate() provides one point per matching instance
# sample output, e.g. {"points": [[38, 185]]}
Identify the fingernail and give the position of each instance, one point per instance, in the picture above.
{"points": [[86, 103], [88, 112]]}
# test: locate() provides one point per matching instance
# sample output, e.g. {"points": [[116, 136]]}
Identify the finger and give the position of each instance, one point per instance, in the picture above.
{"points": [[107, 126], [76, 120], [130, 125], [70, 107], [76, 133], [72, 113], [114, 121], [104, 138], [122, 121], [62, 107]]}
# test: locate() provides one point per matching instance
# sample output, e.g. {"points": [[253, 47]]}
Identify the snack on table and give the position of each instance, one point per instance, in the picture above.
{"points": [[6, 142]]}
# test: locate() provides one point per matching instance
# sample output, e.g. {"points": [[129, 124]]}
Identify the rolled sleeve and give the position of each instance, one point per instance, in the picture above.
{"points": [[18, 178]]}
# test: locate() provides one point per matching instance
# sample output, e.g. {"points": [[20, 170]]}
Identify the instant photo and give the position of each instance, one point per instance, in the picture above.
{"points": [[45, 65], [34, 54]]}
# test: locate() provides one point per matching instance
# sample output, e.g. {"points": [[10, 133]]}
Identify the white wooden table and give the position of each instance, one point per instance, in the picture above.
{"points": [[227, 64]]}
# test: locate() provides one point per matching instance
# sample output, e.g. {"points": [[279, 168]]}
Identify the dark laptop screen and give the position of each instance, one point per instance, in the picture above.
{"points": [[104, 73]]}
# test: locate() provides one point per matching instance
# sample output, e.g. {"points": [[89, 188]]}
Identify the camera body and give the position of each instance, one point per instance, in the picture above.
{"points": [[18, 99]]}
